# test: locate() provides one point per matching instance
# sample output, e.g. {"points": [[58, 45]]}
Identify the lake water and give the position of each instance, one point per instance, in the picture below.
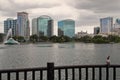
{"points": [[37, 55]]}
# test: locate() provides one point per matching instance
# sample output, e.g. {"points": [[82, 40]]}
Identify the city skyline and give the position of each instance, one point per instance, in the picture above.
{"points": [[84, 12], [55, 28]]}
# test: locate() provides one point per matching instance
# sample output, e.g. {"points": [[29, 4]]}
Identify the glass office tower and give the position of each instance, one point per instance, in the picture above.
{"points": [[10, 24], [106, 25], [45, 26], [96, 30], [66, 28]]}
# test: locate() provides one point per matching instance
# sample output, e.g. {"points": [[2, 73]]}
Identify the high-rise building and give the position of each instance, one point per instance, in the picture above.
{"points": [[117, 23], [10, 24], [66, 28], [96, 30], [81, 34], [34, 26], [45, 26], [106, 25], [116, 28], [50, 28], [23, 28]]}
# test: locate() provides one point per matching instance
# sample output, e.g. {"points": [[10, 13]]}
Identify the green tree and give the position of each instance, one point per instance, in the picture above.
{"points": [[43, 38], [15, 37], [114, 38], [34, 38], [21, 39], [66, 39], [86, 39], [53, 39], [2, 37], [99, 39], [63, 39]]}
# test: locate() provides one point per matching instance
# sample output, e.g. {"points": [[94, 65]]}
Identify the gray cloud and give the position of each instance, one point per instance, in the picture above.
{"points": [[84, 12], [11, 5], [8, 14], [97, 6], [88, 20], [97, 9]]}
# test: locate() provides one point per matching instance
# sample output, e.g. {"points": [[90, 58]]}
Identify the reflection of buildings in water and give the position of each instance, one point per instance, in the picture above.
{"points": [[55, 45], [45, 45], [69, 45]]}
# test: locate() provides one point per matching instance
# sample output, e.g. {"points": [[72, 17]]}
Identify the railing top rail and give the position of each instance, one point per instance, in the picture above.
{"points": [[60, 67], [88, 66], [23, 69]]}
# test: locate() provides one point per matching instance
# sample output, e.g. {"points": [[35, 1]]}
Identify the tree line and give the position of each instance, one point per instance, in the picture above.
{"points": [[60, 39], [99, 39], [85, 39]]}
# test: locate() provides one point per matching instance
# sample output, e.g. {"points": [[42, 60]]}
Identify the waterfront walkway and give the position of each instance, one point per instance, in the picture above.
{"points": [[73, 72]]}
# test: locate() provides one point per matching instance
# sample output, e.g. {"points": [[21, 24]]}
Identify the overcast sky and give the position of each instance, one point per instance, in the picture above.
{"points": [[86, 13]]}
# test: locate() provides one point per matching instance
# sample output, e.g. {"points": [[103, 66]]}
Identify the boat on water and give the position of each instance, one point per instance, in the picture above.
{"points": [[11, 41]]}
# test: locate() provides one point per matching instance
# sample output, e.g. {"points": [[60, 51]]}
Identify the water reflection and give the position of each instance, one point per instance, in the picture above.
{"points": [[67, 45], [45, 45], [37, 55]]}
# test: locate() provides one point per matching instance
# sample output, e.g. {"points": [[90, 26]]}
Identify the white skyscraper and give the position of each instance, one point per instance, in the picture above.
{"points": [[34, 26], [117, 23], [117, 26], [106, 25], [23, 28]]}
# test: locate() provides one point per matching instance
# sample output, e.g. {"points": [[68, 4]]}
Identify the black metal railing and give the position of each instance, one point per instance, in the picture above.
{"points": [[75, 72]]}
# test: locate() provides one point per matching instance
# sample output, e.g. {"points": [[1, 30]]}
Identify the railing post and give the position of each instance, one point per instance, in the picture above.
{"points": [[50, 71], [114, 73], [107, 73]]}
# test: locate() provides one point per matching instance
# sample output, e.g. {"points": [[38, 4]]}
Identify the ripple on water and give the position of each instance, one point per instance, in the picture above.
{"points": [[44, 46]]}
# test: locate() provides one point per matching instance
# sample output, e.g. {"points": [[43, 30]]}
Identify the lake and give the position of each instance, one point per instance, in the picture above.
{"points": [[37, 55]]}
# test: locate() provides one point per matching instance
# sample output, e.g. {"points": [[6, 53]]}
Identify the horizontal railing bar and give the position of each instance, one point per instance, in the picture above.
{"points": [[23, 69], [51, 68], [86, 66], [59, 67]]}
